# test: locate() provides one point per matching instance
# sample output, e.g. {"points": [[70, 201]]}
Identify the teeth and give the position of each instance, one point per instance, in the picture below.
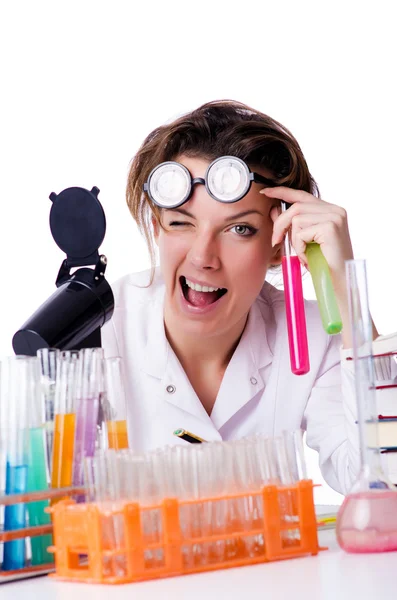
{"points": [[199, 288]]}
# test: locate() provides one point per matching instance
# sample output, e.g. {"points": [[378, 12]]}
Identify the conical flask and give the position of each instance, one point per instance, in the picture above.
{"points": [[367, 519]]}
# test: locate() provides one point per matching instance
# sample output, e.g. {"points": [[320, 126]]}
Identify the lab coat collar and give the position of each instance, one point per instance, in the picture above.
{"points": [[242, 379], [157, 350]]}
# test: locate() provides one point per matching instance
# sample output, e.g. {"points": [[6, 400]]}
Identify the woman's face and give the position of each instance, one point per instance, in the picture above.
{"points": [[222, 250]]}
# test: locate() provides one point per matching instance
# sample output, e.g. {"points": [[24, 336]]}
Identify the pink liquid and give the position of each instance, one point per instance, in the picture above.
{"points": [[86, 429], [367, 522], [296, 319]]}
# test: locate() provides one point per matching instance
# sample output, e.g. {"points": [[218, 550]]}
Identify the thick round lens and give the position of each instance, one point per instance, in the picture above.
{"points": [[228, 179], [169, 185]]}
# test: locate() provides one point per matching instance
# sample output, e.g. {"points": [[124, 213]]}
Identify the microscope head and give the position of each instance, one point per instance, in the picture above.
{"points": [[72, 316]]}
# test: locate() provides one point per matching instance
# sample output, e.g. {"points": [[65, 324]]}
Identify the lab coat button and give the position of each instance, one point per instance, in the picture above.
{"points": [[253, 381], [171, 389]]}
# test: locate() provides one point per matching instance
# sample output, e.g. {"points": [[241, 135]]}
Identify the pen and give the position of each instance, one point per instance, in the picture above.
{"points": [[188, 437]]}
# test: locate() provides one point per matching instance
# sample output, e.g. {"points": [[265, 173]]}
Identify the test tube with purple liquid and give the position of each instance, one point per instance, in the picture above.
{"points": [[87, 411]]}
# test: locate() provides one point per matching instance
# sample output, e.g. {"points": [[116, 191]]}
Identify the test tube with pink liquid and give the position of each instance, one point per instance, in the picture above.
{"points": [[295, 309]]}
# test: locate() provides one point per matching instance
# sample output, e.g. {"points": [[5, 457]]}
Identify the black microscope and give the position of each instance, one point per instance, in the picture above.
{"points": [[72, 317]]}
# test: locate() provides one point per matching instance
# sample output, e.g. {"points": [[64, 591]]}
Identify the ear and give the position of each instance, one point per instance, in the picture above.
{"points": [[156, 228], [277, 255]]}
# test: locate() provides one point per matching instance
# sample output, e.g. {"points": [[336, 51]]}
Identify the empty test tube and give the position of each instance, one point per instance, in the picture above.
{"points": [[37, 465], [48, 360]]}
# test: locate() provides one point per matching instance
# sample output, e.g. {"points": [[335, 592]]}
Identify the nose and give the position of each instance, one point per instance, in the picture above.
{"points": [[204, 252]]}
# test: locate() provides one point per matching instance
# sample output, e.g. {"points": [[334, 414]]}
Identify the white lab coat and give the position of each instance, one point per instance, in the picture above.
{"points": [[258, 392]]}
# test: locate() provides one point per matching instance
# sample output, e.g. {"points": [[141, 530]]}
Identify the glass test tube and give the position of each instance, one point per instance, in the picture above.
{"points": [[295, 308], [364, 370], [103, 479], [37, 463], [2, 440], [68, 379], [114, 408], [321, 276], [48, 360], [367, 519], [15, 401], [87, 410]]}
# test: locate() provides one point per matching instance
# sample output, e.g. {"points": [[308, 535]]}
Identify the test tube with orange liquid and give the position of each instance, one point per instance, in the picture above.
{"points": [[66, 392], [114, 405]]}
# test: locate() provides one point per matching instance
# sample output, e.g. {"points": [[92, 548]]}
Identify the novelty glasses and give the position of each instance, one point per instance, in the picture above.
{"points": [[227, 179]]}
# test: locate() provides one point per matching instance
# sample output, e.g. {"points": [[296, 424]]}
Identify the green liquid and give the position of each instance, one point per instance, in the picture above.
{"points": [[321, 276], [37, 481]]}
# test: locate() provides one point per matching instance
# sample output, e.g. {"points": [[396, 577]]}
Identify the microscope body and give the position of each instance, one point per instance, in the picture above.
{"points": [[72, 316]]}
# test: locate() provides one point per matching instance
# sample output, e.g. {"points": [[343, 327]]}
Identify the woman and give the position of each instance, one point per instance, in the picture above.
{"points": [[204, 337]]}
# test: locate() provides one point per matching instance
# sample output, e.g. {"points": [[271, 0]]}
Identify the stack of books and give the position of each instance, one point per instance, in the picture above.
{"points": [[384, 433], [326, 515]]}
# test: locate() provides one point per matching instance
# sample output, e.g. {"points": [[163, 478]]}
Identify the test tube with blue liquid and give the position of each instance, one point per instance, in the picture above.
{"points": [[15, 404]]}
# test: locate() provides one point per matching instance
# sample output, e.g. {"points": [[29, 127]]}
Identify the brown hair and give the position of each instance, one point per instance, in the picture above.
{"points": [[218, 128]]}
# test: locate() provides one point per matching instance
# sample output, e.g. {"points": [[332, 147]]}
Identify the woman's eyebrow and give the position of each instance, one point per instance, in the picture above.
{"points": [[239, 215], [182, 211], [244, 214]]}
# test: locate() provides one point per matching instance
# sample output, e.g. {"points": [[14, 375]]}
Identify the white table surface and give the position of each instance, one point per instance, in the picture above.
{"points": [[331, 575]]}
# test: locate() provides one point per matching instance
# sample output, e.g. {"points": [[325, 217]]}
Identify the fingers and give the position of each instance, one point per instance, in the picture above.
{"points": [[310, 219], [301, 238], [304, 215], [307, 220], [285, 220], [287, 194], [320, 233]]}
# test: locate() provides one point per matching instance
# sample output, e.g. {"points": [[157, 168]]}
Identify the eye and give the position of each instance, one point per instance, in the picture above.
{"points": [[178, 223], [244, 230]]}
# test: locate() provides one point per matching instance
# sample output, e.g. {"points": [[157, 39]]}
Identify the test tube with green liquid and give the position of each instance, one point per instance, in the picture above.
{"points": [[321, 276], [37, 466]]}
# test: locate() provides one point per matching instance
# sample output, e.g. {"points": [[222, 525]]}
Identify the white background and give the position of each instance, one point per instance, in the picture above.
{"points": [[83, 82]]}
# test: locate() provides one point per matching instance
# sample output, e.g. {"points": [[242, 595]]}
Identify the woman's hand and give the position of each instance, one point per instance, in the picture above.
{"points": [[313, 220]]}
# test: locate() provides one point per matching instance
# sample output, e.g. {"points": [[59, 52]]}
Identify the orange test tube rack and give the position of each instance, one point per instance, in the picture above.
{"points": [[83, 550], [15, 534]]}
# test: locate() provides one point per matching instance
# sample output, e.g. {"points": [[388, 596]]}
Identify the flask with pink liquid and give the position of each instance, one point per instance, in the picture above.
{"points": [[367, 519]]}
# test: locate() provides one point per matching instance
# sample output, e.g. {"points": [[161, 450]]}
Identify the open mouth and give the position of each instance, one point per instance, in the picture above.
{"points": [[200, 296]]}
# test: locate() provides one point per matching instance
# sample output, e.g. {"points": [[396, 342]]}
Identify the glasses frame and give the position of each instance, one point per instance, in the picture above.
{"points": [[252, 177]]}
